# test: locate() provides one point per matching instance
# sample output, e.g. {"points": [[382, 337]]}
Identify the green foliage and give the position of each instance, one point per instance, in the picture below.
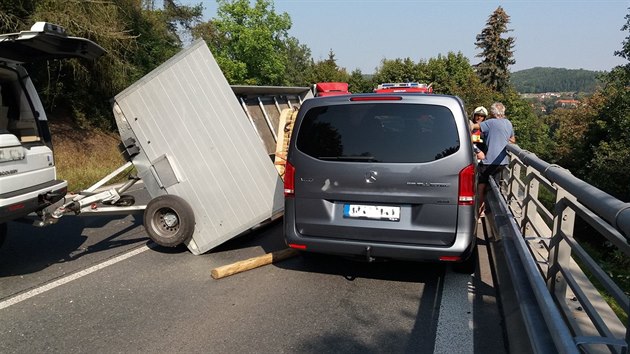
{"points": [[250, 43], [136, 40], [13, 13], [612, 260], [453, 75], [593, 141], [496, 52], [568, 128], [609, 169], [397, 70], [531, 132], [359, 83], [608, 137], [449, 74], [299, 63], [328, 71], [540, 80]]}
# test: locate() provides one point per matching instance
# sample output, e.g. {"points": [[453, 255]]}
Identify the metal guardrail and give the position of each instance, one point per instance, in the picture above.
{"points": [[559, 271]]}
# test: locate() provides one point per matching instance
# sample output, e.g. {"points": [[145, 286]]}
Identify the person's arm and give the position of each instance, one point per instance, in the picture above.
{"points": [[512, 140], [478, 153]]}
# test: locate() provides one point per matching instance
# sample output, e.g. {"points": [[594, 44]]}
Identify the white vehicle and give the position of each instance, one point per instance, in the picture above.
{"points": [[28, 177]]}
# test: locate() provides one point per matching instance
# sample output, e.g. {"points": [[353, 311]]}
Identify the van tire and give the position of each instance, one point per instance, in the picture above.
{"points": [[169, 220], [3, 232], [469, 265]]}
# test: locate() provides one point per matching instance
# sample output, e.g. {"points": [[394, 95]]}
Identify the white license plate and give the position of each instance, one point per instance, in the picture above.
{"points": [[378, 212]]}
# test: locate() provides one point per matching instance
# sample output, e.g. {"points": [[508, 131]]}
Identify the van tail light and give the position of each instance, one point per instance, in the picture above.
{"points": [[467, 185], [450, 258], [297, 246], [376, 98], [289, 180]]}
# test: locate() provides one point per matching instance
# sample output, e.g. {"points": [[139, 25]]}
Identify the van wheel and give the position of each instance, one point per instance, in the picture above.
{"points": [[468, 266], [169, 220], [3, 232]]}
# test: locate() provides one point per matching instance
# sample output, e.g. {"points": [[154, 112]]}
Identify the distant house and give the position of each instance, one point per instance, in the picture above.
{"points": [[567, 103], [538, 107]]}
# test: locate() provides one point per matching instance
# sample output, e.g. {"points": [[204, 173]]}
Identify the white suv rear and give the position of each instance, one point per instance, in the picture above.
{"points": [[28, 178]]}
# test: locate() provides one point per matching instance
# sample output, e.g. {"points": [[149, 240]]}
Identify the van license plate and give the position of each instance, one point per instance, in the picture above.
{"points": [[378, 212]]}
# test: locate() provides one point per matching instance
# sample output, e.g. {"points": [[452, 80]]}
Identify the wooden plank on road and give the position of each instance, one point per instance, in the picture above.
{"points": [[248, 264]]}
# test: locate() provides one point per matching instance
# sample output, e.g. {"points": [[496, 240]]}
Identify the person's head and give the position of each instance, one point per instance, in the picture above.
{"points": [[479, 114], [497, 110]]}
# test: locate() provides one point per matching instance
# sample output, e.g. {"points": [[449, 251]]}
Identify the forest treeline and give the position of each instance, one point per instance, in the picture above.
{"points": [[252, 45], [541, 80]]}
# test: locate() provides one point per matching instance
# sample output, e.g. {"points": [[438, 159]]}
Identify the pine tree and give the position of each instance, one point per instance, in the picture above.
{"points": [[496, 52]]}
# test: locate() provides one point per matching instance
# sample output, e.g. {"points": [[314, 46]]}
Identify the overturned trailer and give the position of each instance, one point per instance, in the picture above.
{"points": [[202, 149], [265, 106]]}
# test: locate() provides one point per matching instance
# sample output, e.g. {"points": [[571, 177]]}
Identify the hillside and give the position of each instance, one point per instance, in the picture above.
{"points": [[539, 80], [84, 156]]}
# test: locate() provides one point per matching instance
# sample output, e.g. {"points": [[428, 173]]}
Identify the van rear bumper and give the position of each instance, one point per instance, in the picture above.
{"points": [[461, 248], [17, 204]]}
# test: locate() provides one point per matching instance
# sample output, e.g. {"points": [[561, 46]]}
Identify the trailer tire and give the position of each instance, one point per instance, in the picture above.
{"points": [[169, 220], [4, 229]]}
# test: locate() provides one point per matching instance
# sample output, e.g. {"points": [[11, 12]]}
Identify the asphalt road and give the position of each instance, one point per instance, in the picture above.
{"points": [[98, 285]]}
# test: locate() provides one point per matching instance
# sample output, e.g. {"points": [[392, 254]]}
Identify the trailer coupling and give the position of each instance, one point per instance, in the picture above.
{"points": [[97, 200]]}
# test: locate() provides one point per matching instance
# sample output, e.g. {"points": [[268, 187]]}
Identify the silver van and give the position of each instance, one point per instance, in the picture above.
{"points": [[382, 176]]}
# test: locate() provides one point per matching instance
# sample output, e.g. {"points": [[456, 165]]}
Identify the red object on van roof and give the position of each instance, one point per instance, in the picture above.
{"points": [[324, 89]]}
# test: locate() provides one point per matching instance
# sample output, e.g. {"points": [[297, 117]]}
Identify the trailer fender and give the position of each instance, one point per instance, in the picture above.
{"points": [[169, 220]]}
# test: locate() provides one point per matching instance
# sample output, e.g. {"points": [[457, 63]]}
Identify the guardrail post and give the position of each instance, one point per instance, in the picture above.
{"points": [[512, 184], [530, 210], [560, 252]]}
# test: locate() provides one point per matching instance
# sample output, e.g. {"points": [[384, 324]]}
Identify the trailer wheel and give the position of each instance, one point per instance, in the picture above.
{"points": [[169, 220], [3, 232]]}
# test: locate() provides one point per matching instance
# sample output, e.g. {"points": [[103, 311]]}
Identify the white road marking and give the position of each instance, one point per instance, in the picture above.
{"points": [[42, 289], [455, 324]]}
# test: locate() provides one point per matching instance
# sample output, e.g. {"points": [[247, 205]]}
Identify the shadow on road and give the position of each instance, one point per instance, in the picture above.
{"points": [[29, 249]]}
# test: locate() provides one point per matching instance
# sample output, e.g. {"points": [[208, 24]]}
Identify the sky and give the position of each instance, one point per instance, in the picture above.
{"points": [[574, 34]]}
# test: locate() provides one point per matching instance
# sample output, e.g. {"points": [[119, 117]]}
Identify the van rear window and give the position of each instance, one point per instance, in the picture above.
{"points": [[378, 132]]}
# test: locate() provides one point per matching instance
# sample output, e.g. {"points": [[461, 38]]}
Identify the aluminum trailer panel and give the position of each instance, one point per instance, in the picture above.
{"points": [[196, 142]]}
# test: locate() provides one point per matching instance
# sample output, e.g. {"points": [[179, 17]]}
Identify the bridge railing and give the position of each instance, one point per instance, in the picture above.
{"points": [[544, 201]]}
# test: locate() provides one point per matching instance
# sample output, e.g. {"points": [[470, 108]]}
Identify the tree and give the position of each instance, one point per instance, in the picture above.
{"points": [[299, 62], [13, 14], [608, 136], [136, 38], [397, 70], [250, 42], [531, 132], [453, 75], [568, 128], [359, 83], [328, 71], [496, 52]]}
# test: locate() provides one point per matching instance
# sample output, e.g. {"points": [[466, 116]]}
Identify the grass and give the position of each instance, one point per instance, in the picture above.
{"points": [[620, 275], [612, 261], [83, 157]]}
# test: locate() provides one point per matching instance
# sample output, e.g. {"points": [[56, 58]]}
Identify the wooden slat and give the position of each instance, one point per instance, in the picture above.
{"points": [[285, 128]]}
